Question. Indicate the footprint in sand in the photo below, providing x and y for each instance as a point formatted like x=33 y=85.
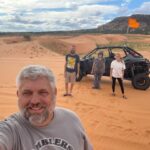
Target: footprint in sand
x=130 y=121
x=114 y=126
x=120 y=111
x=147 y=132
x=112 y=117
x=95 y=124
x=78 y=104
x=131 y=131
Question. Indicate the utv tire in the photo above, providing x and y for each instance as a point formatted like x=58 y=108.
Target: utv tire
x=141 y=81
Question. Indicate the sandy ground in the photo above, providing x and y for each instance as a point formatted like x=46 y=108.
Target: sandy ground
x=112 y=123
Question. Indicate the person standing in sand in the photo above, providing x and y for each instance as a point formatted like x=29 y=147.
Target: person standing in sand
x=40 y=125
x=71 y=70
x=117 y=72
x=98 y=70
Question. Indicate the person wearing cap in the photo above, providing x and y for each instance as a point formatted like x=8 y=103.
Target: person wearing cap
x=40 y=125
x=98 y=70
x=71 y=70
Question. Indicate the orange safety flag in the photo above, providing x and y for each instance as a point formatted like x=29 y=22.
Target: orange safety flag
x=133 y=23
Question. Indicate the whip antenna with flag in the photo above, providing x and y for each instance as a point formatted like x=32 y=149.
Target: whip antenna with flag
x=132 y=23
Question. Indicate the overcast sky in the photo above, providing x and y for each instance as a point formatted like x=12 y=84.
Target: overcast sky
x=56 y=15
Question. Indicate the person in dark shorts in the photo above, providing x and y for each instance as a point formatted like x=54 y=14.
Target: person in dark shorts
x=71 y=70
x=98 y=70
x=117 y=73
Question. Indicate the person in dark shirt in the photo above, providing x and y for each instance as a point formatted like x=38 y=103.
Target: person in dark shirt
x=71 y=70
x=98 y=70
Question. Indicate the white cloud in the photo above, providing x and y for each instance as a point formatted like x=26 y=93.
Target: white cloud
x=126 y=3
x=32 y=4
x=98 y=9
x=43 y=15
x=144 y=9
x=79 y=14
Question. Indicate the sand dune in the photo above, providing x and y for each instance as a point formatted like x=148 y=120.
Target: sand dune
x=87 y=42
x=112 y=123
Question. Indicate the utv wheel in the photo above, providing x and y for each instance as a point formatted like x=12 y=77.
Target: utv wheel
x=141 y=81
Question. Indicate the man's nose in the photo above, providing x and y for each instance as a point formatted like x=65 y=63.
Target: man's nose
x=35 y=98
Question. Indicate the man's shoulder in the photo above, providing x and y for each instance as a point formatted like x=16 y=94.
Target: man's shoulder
x=72 y=55
x=66 y=112
x=67 y=55
x=68 y=116
x=77 y=55
x=10 y=120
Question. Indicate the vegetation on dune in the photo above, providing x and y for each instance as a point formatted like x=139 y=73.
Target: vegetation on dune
x=56 y=46
x=27 y=37
x=133 y=41
x=135 y=45
x=136 y=42
x=61 y=46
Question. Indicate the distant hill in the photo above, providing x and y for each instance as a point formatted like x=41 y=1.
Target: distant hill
x=120 y=25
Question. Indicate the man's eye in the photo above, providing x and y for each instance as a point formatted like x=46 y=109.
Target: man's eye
x=26 y=93
x=43 y=93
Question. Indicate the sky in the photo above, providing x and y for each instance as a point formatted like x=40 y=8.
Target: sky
x=64 y=15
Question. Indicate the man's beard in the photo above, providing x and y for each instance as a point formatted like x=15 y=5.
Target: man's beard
x=38 y=119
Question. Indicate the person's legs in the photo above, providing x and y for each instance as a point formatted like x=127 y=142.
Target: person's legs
x=121 y=86
x=113 y=85
x=96 y=81
x=72 y=81
x=66 y=87
x=67 y=80
x=71 y=88
x=100 y=77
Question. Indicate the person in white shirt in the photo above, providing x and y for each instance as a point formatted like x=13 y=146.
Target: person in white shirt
x=117 y=72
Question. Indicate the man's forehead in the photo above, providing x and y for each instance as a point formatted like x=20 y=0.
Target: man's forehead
x=38 y=83
x=33 y=80
x=29 y=89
